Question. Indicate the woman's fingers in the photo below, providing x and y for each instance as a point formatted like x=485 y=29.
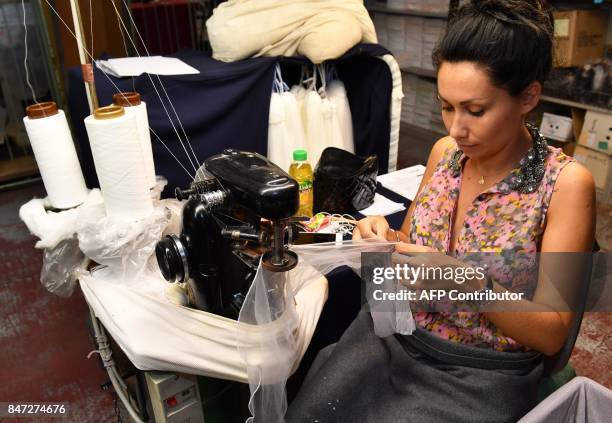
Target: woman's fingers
x=405 y=248
x=371 y=227
x=365 y=229
x=382 y=227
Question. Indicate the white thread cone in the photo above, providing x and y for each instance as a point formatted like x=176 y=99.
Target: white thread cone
x=142 y=120
x=57 y=160
x=120 y=166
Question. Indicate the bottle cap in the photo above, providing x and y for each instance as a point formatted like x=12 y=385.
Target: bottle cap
x=300 y=155
x=41 y=110
x=126 y=99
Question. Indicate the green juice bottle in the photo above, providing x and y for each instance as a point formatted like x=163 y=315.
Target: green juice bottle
x=301 y=171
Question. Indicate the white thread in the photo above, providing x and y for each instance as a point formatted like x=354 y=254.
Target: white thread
x=25 y=58
x=142 y=121
x=160 y=82
x=116 y=88
x=125 y=49
x=57 y=160
x=120 y=166
x=156 y=91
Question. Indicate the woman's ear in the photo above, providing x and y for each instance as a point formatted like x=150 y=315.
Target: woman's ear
x=530 y=97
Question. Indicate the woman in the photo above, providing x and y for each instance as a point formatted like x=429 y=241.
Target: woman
x=492 y=185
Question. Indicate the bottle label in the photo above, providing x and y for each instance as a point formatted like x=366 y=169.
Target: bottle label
x=305 y=193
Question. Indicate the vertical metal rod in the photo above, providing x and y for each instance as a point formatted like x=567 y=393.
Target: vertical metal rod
x=279 y=248
x=90 y=89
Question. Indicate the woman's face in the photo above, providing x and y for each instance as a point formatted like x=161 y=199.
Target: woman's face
x=482 y=118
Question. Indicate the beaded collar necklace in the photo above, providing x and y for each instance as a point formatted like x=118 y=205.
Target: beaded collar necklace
x=526 y=178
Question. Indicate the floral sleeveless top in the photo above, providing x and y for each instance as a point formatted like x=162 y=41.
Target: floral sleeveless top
x=501 y=220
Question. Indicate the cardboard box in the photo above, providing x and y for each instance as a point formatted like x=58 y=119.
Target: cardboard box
x=600 y=165
x=597 y=131
x=580 y=36
x=556 y=127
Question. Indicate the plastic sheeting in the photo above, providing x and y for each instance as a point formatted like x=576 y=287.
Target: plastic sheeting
x=267 y=300
x=126 y=246
x=62 y=266
x=263 y=347
x=158 y=335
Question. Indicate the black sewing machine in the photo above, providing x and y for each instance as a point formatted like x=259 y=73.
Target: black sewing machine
x=238 y=211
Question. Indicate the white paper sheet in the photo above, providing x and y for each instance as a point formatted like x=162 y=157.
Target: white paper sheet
x=135 y=66
x=382 y=206
x=404 y=182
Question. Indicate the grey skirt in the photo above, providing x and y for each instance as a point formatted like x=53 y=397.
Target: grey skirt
x=416 y=378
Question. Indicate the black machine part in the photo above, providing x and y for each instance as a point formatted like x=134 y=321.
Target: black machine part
x=255 y=183
x=223 y=235
x=171 y=257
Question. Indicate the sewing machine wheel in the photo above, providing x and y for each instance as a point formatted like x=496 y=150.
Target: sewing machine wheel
x=290 y=260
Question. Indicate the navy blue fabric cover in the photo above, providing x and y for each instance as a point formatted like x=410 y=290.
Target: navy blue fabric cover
x=227 y=106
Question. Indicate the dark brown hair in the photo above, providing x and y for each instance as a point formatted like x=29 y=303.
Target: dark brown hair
x=511 y=39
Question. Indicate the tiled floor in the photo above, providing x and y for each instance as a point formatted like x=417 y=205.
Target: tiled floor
x=43 y=338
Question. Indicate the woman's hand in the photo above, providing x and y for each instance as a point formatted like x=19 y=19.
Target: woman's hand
x=434 y=269
x=371 y=227
x=411 y=249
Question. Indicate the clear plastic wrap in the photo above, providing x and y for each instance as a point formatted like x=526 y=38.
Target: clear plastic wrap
x=122 y=245
x=62 y=265
x=160 y=184
x=270 y=301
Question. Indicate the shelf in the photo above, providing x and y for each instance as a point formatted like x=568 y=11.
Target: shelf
x=574 y=104
x=427 y=73
x=381 y=8
x=21 y=167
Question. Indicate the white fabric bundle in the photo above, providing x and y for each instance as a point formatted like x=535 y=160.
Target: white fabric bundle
x=295 y=127
x=336 y=93
x=49 y=226
x=276 y=131
x=144 y=136
x=264 y=347
x=242 y=28
x=117 y=154
x=307 y=118
x=137 y=315
x=285 y=128
x=57 y=160
x=314 y=126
